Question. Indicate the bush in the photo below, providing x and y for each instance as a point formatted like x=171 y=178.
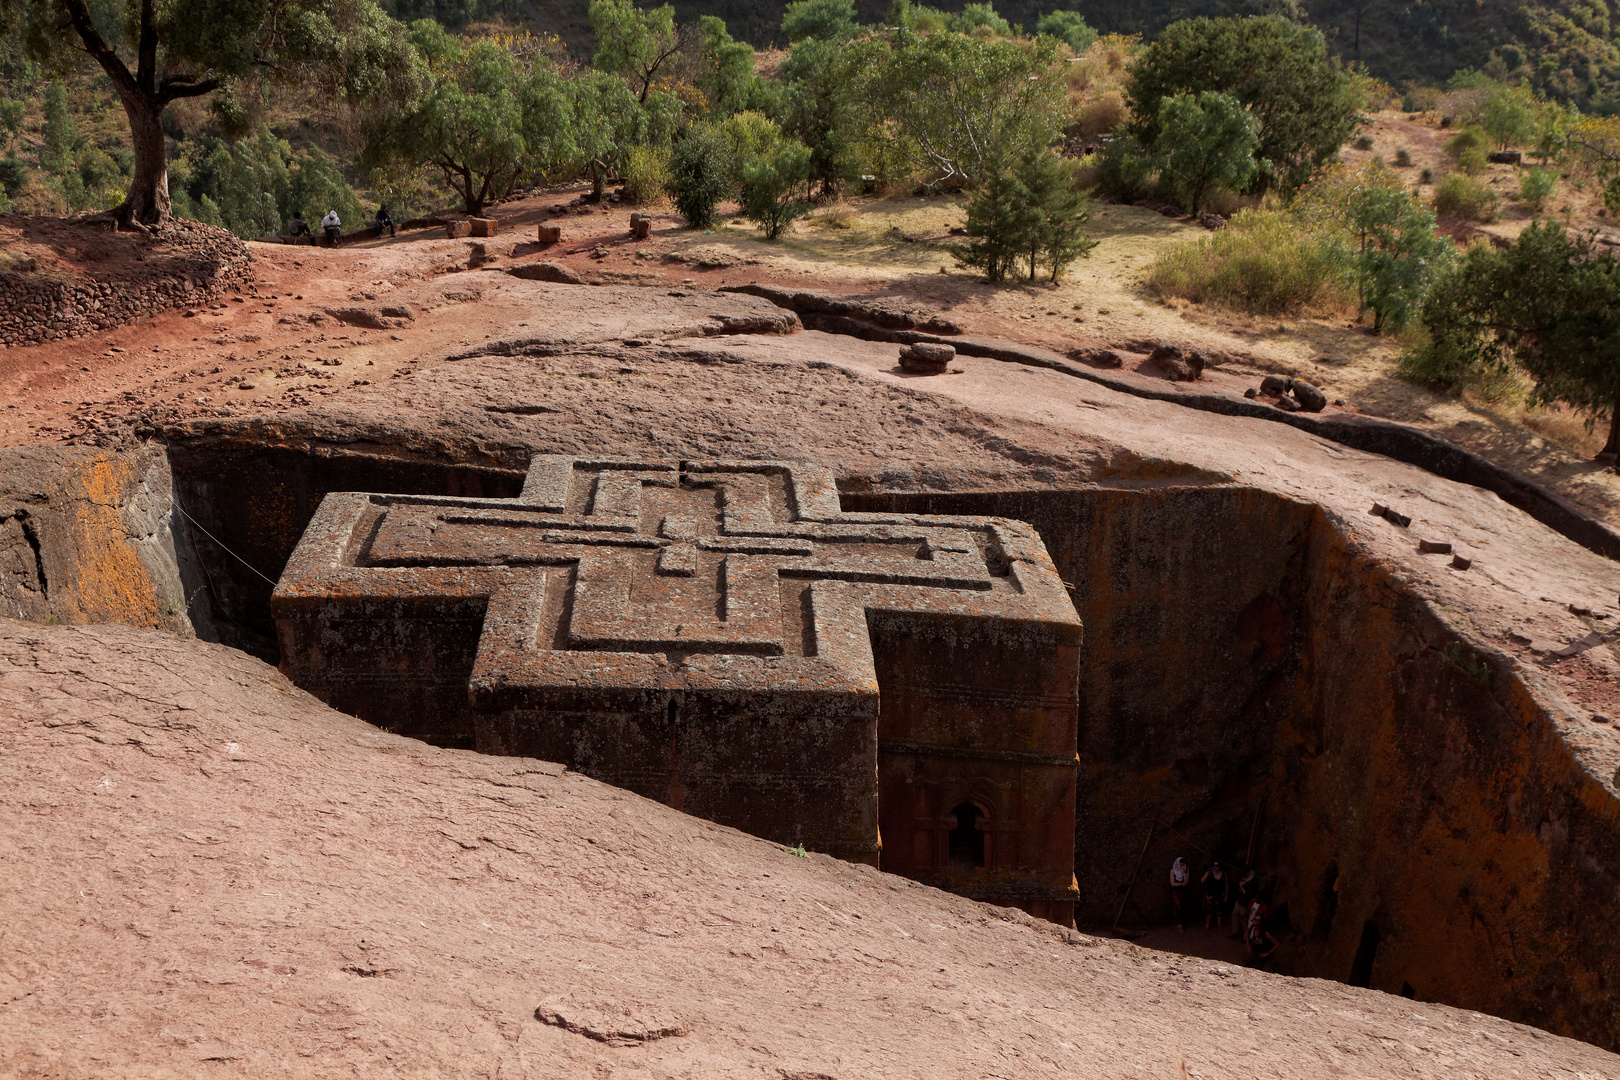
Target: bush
x=1031 y=210
x=1469 y=138
x=1537 y=186
x=1472 y=161
x=1263 y=263
x=646 y=174
x=1069 y=26
x=700 y=176
x=1462 y=197
x=771 y=183
x=1364 y=142
x=1426 y=176
x=1403 y=157
x=1101 y=115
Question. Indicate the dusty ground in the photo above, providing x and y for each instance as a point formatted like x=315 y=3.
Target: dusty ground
x=168 y=909
x=882 y=247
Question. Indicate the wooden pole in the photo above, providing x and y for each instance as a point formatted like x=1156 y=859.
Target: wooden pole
x=1137 y=869
x=1254 y=831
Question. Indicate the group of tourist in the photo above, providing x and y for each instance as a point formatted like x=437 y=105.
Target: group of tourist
x=332 y=225
x=1228 y=899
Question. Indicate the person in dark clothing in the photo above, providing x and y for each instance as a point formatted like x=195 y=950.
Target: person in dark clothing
x=1217 y=895
x=385 y=220
x=1261 y=942
x=299 y=227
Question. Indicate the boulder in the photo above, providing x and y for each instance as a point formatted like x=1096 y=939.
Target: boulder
x=1175 y=363
x=1287 y=404
x=456 y=229
x=924 y=358
x=550 y=234
x=640 y=226
x=1276 y=384
x=1212 y=221
x=1504 y=157
x=1309 y=397
x=484 y=226
x=552 y=272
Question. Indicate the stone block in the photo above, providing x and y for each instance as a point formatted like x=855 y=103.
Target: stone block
x=924 y=358
x=484 y=226
x=722 y=637
x=457 y=229
x=550 y=234
x=640 y=226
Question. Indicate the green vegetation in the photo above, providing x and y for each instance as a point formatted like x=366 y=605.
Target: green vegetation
x=1537 y=186
x=700 y=175
x=1280 y=71
x=1205 y=142
x=1460 y=196
x=1029 y=209
x=1354 y=239
x=1548 y=305
x=156 y=55
x=1262 y=262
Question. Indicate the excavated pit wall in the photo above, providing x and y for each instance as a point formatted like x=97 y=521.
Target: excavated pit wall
x=1249 y=676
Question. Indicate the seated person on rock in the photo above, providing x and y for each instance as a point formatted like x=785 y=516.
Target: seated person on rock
x=298 y=228
x=385 y=220
x=332 y=225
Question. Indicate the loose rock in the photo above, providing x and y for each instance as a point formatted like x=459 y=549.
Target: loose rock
x=924 y=358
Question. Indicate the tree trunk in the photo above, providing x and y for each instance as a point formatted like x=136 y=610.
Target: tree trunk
x=148 y=200
x=1613 y=445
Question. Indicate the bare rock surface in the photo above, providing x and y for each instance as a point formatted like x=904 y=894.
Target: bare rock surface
x=208 y=873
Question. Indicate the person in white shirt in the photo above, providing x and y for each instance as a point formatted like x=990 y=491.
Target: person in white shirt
x=1180 y=887
x=333 y=226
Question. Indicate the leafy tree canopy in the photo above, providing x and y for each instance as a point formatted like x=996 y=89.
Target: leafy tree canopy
x=157 y=53
x=826 y=20
x=959 y=105
x=1280 y=71
x=1206 y=142
x=1069 y=27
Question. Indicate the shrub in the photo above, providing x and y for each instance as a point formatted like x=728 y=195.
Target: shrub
x=1263 y=263
x=1364 y=142
x=646 y=174
x=1472 y=161
x=1426 y=176
x=1403 y=157
x=1070 y=26
x=1101 y=115
x=1205 y=143
x=771 y=183
x=1469 y=138
x=700 y=176
x=1029 y=209
x=1537 y=186
x=1462 y=197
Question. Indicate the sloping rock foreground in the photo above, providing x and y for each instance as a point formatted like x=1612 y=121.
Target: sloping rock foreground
x=209 y=873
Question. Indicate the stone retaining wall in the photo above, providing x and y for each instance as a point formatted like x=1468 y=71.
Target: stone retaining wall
x=188 y=264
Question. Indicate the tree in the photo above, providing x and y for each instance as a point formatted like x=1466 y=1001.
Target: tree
x=1280 y=71
x=1067 y=26
x=1508 y=116
x=1000 y=221
x=1397 y=251
x=725 y=69
x=700 y=175
x=980 y=16
x=635 y=43
x=1030 y=209
x=1551 y=303
x=1062 y=211
x=824 y=20
x=961 y=105
x=820 y=110
x=1205 y=142
x=156 y=54
x=490 y=119
x=771 y=183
